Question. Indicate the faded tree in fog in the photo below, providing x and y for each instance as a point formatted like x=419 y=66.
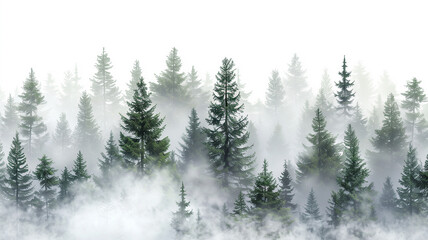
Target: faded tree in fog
x=312 y=212
x=195 y=89
x=71 y=91
x=295 y=82
x=286 y=188
x=45 y=174
x=10 y=119
x=413 y=97
x=275 y=94
x=364 y=88
x=62 y=135
x=388 y=198
x=136 y=74
x=181 y=216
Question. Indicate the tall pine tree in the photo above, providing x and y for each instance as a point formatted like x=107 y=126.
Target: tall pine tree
x=45 y=174
x=286 y=188
x=275 y=94
x=344 y=94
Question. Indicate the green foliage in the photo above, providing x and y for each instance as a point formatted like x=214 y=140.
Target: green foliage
x=344 y=94
x=194 y=88
x=240 y=208
x=264 y=195
x=422 y=182
x=181 y=216
x=87 y=132
x=80 y=173
x=414 y=96
x=110 y=161
x=286 y=189
x=143 y=148
x=388 y=199
x=10 y=119
x=227 y=150
x=275 y=94
x=136 y=74
x=312 y=212
x=62 y=136
x=45 y=174
x=64 y=185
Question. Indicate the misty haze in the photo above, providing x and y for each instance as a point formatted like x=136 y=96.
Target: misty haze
x=213 y=120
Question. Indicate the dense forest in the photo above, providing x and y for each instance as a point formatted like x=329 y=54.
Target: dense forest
x=189 y=157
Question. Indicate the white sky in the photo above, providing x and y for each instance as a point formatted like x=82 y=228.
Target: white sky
x=52 y=36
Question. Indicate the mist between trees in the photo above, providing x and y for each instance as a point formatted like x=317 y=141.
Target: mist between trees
x=189 y=158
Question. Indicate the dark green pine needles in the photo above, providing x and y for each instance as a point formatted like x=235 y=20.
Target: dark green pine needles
x=345 y=94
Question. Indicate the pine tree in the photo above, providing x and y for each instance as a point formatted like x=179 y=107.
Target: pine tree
x=324 y=104
x=410 y=201
x=335 y=208
x=422 y=182
x=327 y=87
x=110 y=159
x=64 y=185
x=136 y=74
x=80 y=173
x=193 y=150
x=228 y=136
x=32 y=126
x=181 y=216
x=286 y=189
x=143 y=147
x=10 y=119
x=295 y=84
x=275 y=93
x=321 y=159
x=240 y=207
x=106 y=95
x=45 y=173
x=364 y=89
x=71 y=91
x=170 y=86
x=312 y=212
x=388 y=199
x=87 y=133
x=414 y=96
x=194 y=87
x=264 y=194
x=344 y=94
x=18 y=185
x=62 y=136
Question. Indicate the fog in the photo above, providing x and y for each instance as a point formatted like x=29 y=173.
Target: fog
x=305 y=42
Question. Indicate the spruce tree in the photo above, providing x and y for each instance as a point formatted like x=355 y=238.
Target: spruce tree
x=80 y=173
x=414 y=96
x=110 y=159
x=240 y=207
x=64 y=185
x=170 y=86
x=409 y=195
x=422 y=182
x=45 y=174
x=181 y=216
x=194 y=87
x=312 y=212
x=295 y=82
x=10 y=119
x=345 y=93
x=264 y=195
x=87 y=133
x=388 y=199
x=322 y=159
x=193 y=150
x=335 y=208
x=286 y=189
x=275 y=93
x=18 y=185
x=136 y=74
x=62 y=136
x=106 y=95
x=143 y=147
x=228 y=136
x=32 y=126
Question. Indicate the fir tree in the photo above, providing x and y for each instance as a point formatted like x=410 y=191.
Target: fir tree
x=170 y=86
x=275 y=93
x=193 y=150
x=295 y=84
x=80 y=173
x=181 y=216
x=344 y=94
x=136 y=74
x=228 y=136
x=87 y=133
x=312 y=212
x=422 y=182
x=106 y=95
x=264 y=194
x=45 y=173
x=62 y=136
x=321 y=159
x=10 y=119
x=286 y=189
x=388 y=199
x=110 y=159
x=194 y=87
x=18 y=185
x=414 y=96
x=64 y=185
x=409 y=195
x=143 y=147
x=240 y=207
x=32 y=126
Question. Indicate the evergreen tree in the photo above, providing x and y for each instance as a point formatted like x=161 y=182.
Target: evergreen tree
x=275 y=93
x=18 y=185
x=335 y=208
x=388 y=199
x=410 y=201
x=363 y=86
x=87 y=133
x=170 y=86
x=422 y=182
x=71 y=91
x=264 y=194
x=106 y=95
x=321 y=159
x=193 y=149
x=240 y=207
x=50 y=90
x=359 y=123
x=110 y=159
x=10 y=119
x=414 y=96
x=181 y=216
x=286 y=189
x=32 y=126
x=143 y=147
x=227 y=138
x=324 y=104
x=327 y=87
x=295 y=84
x=80 y=173
x=136 y=74
x=64 y=185
x=312 y=212
x=245 y=95
x=62 y=136
x=45 y=173
x=344 y=94
x=194 y=87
